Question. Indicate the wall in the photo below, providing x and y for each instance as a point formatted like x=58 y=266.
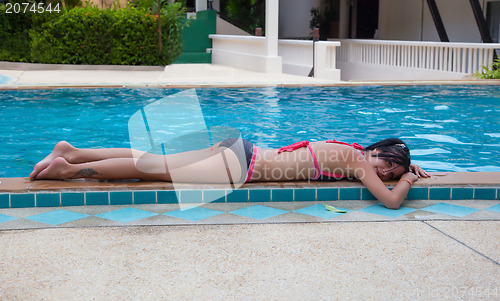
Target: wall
x=411 y=20
x=294 y=18
x=400 y=19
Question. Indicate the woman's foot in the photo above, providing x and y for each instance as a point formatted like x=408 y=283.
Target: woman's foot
x=62 y=149
x=58 y=169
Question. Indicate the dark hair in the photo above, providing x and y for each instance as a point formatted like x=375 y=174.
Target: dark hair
x=393 y=150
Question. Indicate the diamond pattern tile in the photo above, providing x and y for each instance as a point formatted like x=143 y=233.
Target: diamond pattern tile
x=57 y=217
x=5 y=218
x=259 y=212
x=448 y=209
x=194 y=214
x=380 y=209
x=495 y=208
x=126 y=215
x=320 y=211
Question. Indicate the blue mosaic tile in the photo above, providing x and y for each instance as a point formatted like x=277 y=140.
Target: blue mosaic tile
x=439 y=193
x=319 y=210
x=282 y=195
x=22 y=200
x=350 y=194
x=96 y=198
x=495 y=208
x=238 y=196
x=304 y=195
x=194 y=214
x=259 y=195
x=72 y=199
x=214 y=196
x=448 y=209
x=5 y=218
x=327 y=194
x=191 y=196
x=484 y=193
x=462 y=193
x=57 y=217
x=120 y=198
x=48 y=200
x=259 y=212
x=366 y=195
x=4 y=200
x=144 y=197
x=380 y=209
x=167 y=197
x=418 y=193
x=126 y=215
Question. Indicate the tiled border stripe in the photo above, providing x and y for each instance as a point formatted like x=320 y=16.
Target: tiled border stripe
x=135 y=197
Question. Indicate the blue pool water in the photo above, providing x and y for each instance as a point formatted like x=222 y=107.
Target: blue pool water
x=448 y=128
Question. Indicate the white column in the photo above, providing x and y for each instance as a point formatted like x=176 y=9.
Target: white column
x=272 y=21
x=274 y=63
x=201 y=5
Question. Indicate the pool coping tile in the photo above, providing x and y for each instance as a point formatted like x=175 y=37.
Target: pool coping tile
x=440 y=193
x=259 y=195
x=22 y=200
x=481 y=193
x=214 y=196
x=144 y=197
x=47 y=199
x=4 y=200
x=72 y=199
x=350 y=194
x=282 y=195
x=327 y=194
x=97 y=198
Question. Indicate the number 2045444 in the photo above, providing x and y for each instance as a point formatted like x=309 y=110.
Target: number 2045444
x=22 y=8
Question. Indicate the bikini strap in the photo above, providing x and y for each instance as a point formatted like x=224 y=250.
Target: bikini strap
x=294 y=146
x=354 y=145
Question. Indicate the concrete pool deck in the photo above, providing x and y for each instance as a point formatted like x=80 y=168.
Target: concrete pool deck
x=28 y=76
x=421 y=255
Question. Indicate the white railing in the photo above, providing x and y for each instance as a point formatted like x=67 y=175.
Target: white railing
x=243 y=52
x=464 y=58
x=294 y=56
x=297 y=56
x=325 y=60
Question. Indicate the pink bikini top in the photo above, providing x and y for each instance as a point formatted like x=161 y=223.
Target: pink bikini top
x=318 y=173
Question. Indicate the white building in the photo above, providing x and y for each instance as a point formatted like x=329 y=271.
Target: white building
x=380 y=39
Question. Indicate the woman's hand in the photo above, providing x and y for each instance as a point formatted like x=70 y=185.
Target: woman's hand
x=410 y=176
x=417 y=170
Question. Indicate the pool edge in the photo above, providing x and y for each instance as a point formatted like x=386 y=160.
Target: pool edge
x=23 y=193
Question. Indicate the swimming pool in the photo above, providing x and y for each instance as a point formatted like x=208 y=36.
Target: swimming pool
x=448 y=128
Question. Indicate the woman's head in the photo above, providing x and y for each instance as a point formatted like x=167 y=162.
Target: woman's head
x=390 y=158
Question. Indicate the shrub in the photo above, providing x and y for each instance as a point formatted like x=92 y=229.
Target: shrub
x=88 y=35
x=487 y=73
x=14 y=42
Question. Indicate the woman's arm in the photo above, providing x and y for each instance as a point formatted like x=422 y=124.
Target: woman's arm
x=392 y=199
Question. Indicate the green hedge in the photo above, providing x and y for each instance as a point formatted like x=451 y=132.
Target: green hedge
x=14 y=36
x=88 y=35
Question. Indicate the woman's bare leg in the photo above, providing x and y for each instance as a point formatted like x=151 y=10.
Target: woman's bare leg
x=213 y=169
x=110 y=169
x=75 y=155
